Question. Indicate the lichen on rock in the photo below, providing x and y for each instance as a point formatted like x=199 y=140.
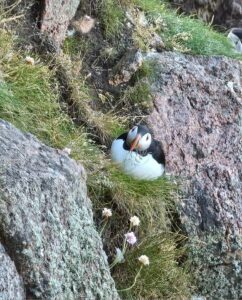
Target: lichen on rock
x=46 y=221
x=11 y=284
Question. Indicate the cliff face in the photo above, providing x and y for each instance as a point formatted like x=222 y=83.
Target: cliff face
x=47 y=225
x=220 y=12
x=197 y=117
x=49 y=246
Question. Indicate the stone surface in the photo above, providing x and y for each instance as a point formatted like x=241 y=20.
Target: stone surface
x=11 y=284
x=221 y=12
x=56 y=17
x=126 y=67
x=197 y=113
x=46 y=221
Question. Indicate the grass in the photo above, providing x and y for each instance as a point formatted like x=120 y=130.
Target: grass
x=29 y=99
x=186 y=33
x=179 y=32
x=111 y=16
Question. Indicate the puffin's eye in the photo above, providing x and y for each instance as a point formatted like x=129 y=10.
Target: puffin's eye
x=133 y=129
x=147 y=138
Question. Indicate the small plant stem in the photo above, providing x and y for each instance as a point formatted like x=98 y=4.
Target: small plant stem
x=123 y=250
x=125 y=242
x=104 y=225
x=134 y=283
x=113 y=264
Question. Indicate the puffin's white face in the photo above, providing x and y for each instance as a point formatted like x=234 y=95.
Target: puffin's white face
x=144 y=142
x=132 y=135
x=138 y=140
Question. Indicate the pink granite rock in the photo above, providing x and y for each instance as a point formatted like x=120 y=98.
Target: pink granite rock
x=56 y=18
x=197 y=104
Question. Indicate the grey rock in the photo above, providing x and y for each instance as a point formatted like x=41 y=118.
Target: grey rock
x=197 y=118
x=126 y=67
x=46 y=221
x=56 y=17
x=156 y=42
x=11 y=284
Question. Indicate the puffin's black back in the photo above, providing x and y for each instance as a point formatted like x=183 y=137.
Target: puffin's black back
x=238 y=32
x=123 y=136
x=157 y=152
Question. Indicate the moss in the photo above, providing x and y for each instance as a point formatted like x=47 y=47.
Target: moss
x=139 y=93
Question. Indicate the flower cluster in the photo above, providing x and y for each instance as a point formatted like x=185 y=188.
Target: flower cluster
x=29 y=60
x=144 y=260
x=107 y=212
x=129 y=240
x=134 y=221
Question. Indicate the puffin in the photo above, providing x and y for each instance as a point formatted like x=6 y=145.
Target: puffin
x=235 y=36
x=138 y=154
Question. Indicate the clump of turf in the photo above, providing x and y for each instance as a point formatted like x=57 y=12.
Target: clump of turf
x=29 y=99
x=111 y=15
x=185 y=33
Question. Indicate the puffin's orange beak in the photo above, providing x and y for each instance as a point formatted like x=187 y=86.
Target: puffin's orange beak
x=135 y=142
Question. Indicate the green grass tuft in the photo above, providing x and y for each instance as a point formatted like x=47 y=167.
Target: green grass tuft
x=29 y=99
x=185 y=33
x=193 y=36
x=111 y=16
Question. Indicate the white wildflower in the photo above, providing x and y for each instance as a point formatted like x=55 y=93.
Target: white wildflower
x=29 y=60
x=107 y=213
x=134 y=221
x=67 y=151
x=144 y=260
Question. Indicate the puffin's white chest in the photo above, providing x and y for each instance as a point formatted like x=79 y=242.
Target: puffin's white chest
x=140 y=167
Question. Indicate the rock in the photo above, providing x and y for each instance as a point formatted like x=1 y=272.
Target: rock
x=83 y=25
x=156 y=42
x=46 y=221
x=11 y=284
x=197 y=118
x=126 y=67
x=56 y=17
x=221 y=12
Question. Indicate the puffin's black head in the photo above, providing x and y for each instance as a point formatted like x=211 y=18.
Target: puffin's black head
x=139 y=138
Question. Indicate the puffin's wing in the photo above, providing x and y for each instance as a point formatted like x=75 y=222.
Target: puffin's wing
x=157 y=152
x=119 y=149
x=123 y=137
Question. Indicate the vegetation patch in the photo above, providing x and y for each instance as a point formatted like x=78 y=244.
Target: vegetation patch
x=163 y=278
x=111 y=16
